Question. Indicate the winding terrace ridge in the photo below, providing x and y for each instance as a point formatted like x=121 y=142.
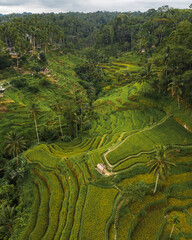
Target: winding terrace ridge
x=118 y=145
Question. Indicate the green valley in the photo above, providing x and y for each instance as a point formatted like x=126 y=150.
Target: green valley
x=96 y=126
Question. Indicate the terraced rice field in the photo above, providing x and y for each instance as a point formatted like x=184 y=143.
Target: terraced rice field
x=119 y=70
x=15 y=102
x=73 y=201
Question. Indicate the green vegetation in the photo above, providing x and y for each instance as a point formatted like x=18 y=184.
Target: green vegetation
x=159 y=164
x=99 y=205
x=93 y=104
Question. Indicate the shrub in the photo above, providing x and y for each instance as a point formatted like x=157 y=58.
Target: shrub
x=33 y=89
x=42 y=57
x=37 y=69
x=135 y=192
x=4 y=62
x=49 y=134
x=45 y=83
x=19 y=83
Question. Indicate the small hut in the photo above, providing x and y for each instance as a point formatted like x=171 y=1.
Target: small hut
x=14 y=55
x=142 y=50
x=101 y=168
x=2 y=90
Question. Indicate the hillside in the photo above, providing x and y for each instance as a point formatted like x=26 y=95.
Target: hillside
x=71 y=196
x=96 y=127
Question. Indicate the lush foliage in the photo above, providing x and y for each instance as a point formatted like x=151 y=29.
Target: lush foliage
x=82 y=89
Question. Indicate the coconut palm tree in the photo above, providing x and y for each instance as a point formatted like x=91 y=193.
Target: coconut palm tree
x=159 y=164
x=175 y=221
x=76 y=120
x=147 y=72
x=175 y=89
x=57 y=107
x=7 y=215
x=34 y=113
x=14 y=144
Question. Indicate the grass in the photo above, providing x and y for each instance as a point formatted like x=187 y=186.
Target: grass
x=121 y=112
x=74 y=191
x=78 y=213
x=132 y=161
x=33 y=218
x=63 y=213
x=133 y=145
x=14 y=110
x=75 y=170
x=72 y=200
x=123 y=225
x=99 y=205
x=169 y=132
x=148 y=227
x=42 y=155
x=183 y=226
x=118 y=69
x=55 y=203
x=42 y=221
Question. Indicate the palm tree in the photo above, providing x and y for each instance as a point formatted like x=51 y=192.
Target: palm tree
x=159 y=164
x=175 y=221
x=175 y=89
x=7 y=215
x=165 y=59
x=147 y=74
x=14 y=144
x=76 y=120
x=57 y=107
x=34 y=113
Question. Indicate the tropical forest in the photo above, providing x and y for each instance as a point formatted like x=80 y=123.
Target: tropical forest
x=96 y=125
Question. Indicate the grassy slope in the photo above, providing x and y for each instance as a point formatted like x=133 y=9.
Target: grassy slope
x=15 y=103
x=87 y=205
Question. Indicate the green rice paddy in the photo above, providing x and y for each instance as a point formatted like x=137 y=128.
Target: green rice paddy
x=72 y=200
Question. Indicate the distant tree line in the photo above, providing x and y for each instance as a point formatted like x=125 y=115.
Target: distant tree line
x=163 y=37
x=65 y=30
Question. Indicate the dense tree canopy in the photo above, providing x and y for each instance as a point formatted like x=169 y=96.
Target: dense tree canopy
x=54 y=66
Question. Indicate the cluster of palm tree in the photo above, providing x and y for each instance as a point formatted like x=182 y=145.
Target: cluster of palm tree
x=34 y=113
x=14 y=145
x=7 y=216
x=175 y=88
x=160 y=164
x=57 y=107
x=174 y=220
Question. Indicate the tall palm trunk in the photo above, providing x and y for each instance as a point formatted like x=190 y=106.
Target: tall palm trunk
x=178 y=102
x=61 y=130
x=45 y=50
x=36 y=129
x=15 y=155
x=76 y=129
x=172 y=230
x=81 y=117
x=172 y=91
x=17 y=160
x=17 y=62
x=157 y=179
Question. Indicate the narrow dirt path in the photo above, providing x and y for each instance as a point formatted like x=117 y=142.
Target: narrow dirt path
x=118 y=145
x=116 y=218
x=132 y=156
